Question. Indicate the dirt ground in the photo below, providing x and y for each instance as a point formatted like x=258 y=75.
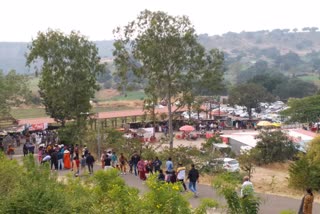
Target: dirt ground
x=121 y=104
x=107 y=93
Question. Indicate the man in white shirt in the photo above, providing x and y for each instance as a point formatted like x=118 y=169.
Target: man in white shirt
x=181 y=174
x=247 y=187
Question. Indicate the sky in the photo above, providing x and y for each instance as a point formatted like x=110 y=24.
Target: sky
x=20 y=20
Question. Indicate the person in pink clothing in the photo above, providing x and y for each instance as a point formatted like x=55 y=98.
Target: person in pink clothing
x=40 y=152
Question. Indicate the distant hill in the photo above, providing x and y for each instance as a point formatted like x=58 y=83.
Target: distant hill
x=12 y=54
x=291 y=52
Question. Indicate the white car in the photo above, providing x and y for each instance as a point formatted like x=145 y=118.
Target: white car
x=228 y=164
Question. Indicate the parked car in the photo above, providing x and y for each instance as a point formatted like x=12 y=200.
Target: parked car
x=228 y=164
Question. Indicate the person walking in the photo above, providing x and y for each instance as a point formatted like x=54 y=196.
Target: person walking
x=83 y=163
x=90 y=160
x=60 y=159
x=25 y=150
x=306 y=203
x=161 y=176
x=135 y=159
x=76 y=166
x=114 y=160
x=54 y=160
x=246 y=188
x=181 y=174
x=66 y=159
x=169 y=165
x=173 y=177
x=102 y=158
x=157 y=164
x=10 y=151
x=193 y=177
x=107 y=162
x=123 y=161
x=142 y=169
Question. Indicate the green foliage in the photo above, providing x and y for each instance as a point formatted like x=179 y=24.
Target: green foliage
x=305 y=172
x=226 y=185
x=71 y=133
x=303 y=110
x=182 y=154
x=30 y=188
x=112 y=195
x=295 y=88
x=112 y=138
x=70 y=65
x=249 y=95
x=273 y=146
x=287 y=212
x=246 y=161
x=33 y=190
x=165 y=197
x=14 y=91
x=205 y=204
x=269 y=80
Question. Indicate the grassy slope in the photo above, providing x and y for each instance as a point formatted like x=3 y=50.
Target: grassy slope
x=311 y=78
x=40 y=112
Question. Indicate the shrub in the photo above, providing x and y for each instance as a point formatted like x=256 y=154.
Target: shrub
x=305 y=172
x=273 y=146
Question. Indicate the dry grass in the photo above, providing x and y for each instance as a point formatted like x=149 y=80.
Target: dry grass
x=137 y=104
x=270 y=179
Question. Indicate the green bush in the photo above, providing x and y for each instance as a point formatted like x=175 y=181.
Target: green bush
x=273 y=146
x=304 y=174
x=226 y=185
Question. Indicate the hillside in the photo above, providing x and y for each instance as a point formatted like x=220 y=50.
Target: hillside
x=291 y=52
x=12 y=55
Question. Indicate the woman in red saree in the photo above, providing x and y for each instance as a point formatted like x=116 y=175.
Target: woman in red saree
x=66 y=159
x=142 y=169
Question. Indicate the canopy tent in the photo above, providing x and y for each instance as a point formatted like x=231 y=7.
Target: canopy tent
x=276 y=124
x=186 y=128
x=264 y=123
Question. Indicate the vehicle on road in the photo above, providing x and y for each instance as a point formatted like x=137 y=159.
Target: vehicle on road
x=227 y=164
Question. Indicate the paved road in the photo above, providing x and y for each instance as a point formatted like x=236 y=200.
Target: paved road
x=271 y=204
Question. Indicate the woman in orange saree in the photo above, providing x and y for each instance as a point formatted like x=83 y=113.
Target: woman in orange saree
x=66 y=159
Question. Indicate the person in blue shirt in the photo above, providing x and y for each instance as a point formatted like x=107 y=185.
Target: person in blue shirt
x=169 y=165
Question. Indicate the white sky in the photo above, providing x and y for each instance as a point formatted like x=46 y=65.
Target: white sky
x=20 y=20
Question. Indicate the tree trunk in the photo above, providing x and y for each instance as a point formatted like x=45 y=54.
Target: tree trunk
x=249 y=113
x=170 y=119
x=189 y=113
x=154 y=119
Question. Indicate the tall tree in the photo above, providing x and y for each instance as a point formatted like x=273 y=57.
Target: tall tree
x=162 y=49
x=70 y=66
x=249 y=95
x=13 y=91
x=295 y=87
x=303 y=110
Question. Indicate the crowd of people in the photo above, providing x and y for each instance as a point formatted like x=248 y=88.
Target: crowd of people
x=143 y=168
x=63 y=157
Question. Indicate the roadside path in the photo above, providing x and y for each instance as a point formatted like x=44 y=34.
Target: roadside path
x=271 y=204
